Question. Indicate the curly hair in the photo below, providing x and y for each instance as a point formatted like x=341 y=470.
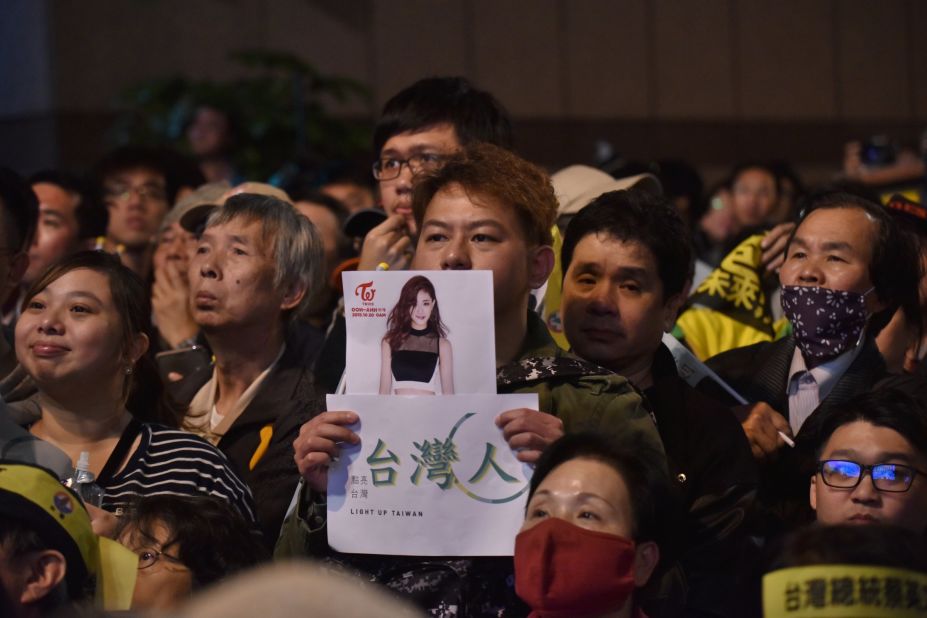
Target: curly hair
x=488 y=170
x=399 y=322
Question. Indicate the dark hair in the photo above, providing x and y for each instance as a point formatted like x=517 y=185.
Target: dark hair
x=475 y=114
x=641 y=467
x=635 y=215
x=214 y=539
x=876 y=545
x=92 y=218
x=21 y=210
x=177 y=170
x=487 y=170
x=19 y=539
x=344 y=172
x=895 y=268
x=143 y=388
x=399 y=322
x=884 y=407
x=305 y=192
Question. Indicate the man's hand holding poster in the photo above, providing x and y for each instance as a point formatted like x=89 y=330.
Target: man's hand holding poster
x=432 y=476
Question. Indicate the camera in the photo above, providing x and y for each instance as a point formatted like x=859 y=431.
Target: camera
x=878 y=151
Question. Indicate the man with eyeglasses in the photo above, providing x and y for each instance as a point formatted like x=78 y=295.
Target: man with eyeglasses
x=418 y=129
x=872 y=463
x=138 y=187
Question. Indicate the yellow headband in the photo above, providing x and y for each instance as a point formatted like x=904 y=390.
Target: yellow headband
x=844 y=591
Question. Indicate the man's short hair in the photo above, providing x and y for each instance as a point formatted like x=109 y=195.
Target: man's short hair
x=490 y=171
x=177 y=170
x=20 y=212
x=888 y=407
x=92 y=218
x=895 y=268
x=291 y=238
x=475 y=114
x=633 y=215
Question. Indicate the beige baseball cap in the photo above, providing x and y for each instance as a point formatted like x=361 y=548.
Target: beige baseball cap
x=194 y=218
x=209 y=194
x=577 y=185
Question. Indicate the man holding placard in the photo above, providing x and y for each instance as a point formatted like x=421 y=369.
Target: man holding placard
x=485 y=209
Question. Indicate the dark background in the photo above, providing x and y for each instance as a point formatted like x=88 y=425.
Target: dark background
x=712 y=81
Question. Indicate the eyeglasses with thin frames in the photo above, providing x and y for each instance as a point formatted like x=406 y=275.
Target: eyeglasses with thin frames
x=148 y=557
x=119 y=193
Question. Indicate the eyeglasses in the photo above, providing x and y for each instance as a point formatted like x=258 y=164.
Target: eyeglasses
x=148 y=557
x=885 y=477
x=388 y=169
x=120 y=193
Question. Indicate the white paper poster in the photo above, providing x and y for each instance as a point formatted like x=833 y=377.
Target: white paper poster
x=433 y=476
x=419 y=333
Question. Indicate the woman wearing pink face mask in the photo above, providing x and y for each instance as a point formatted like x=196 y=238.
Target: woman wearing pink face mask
x=591 y=531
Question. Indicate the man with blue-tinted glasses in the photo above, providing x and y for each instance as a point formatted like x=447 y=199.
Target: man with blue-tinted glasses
x=872 y=463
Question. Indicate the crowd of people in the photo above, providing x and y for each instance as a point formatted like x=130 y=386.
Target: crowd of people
x=177 y=338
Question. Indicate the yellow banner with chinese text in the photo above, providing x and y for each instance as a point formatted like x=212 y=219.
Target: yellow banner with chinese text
x=844 y=591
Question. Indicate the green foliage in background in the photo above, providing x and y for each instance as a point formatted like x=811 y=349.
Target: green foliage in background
x=278 y=111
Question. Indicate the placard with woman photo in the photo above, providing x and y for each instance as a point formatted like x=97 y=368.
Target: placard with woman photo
x=419 y=333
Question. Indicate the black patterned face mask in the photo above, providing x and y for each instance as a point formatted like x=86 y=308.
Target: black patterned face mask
x=825 y=323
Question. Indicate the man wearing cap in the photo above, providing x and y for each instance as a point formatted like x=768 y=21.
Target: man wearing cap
x=49 y=555
x=170 y=293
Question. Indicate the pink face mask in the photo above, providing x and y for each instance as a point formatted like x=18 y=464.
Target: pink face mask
x=564 y=570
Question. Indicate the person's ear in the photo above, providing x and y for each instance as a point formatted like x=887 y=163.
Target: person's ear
x=671 y=310
x=646 y=558
x=874 y=303
x=540 y=265
x=138 y=348
x=47 y=569
x=813 y=497
x=294 y=296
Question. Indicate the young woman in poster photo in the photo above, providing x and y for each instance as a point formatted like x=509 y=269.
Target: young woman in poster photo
x=415 y=354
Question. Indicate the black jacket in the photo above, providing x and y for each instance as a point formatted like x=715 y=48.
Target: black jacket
x=287 y=399
x=760 y=372
x=715 y=474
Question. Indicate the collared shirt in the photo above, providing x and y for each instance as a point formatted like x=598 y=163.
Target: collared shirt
x=807 y=388
x=205 y=420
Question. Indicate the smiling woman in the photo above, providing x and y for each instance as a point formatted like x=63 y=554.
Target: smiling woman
x=81 y=337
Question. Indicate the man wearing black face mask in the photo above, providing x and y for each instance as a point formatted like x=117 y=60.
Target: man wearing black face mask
x=847 y=269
